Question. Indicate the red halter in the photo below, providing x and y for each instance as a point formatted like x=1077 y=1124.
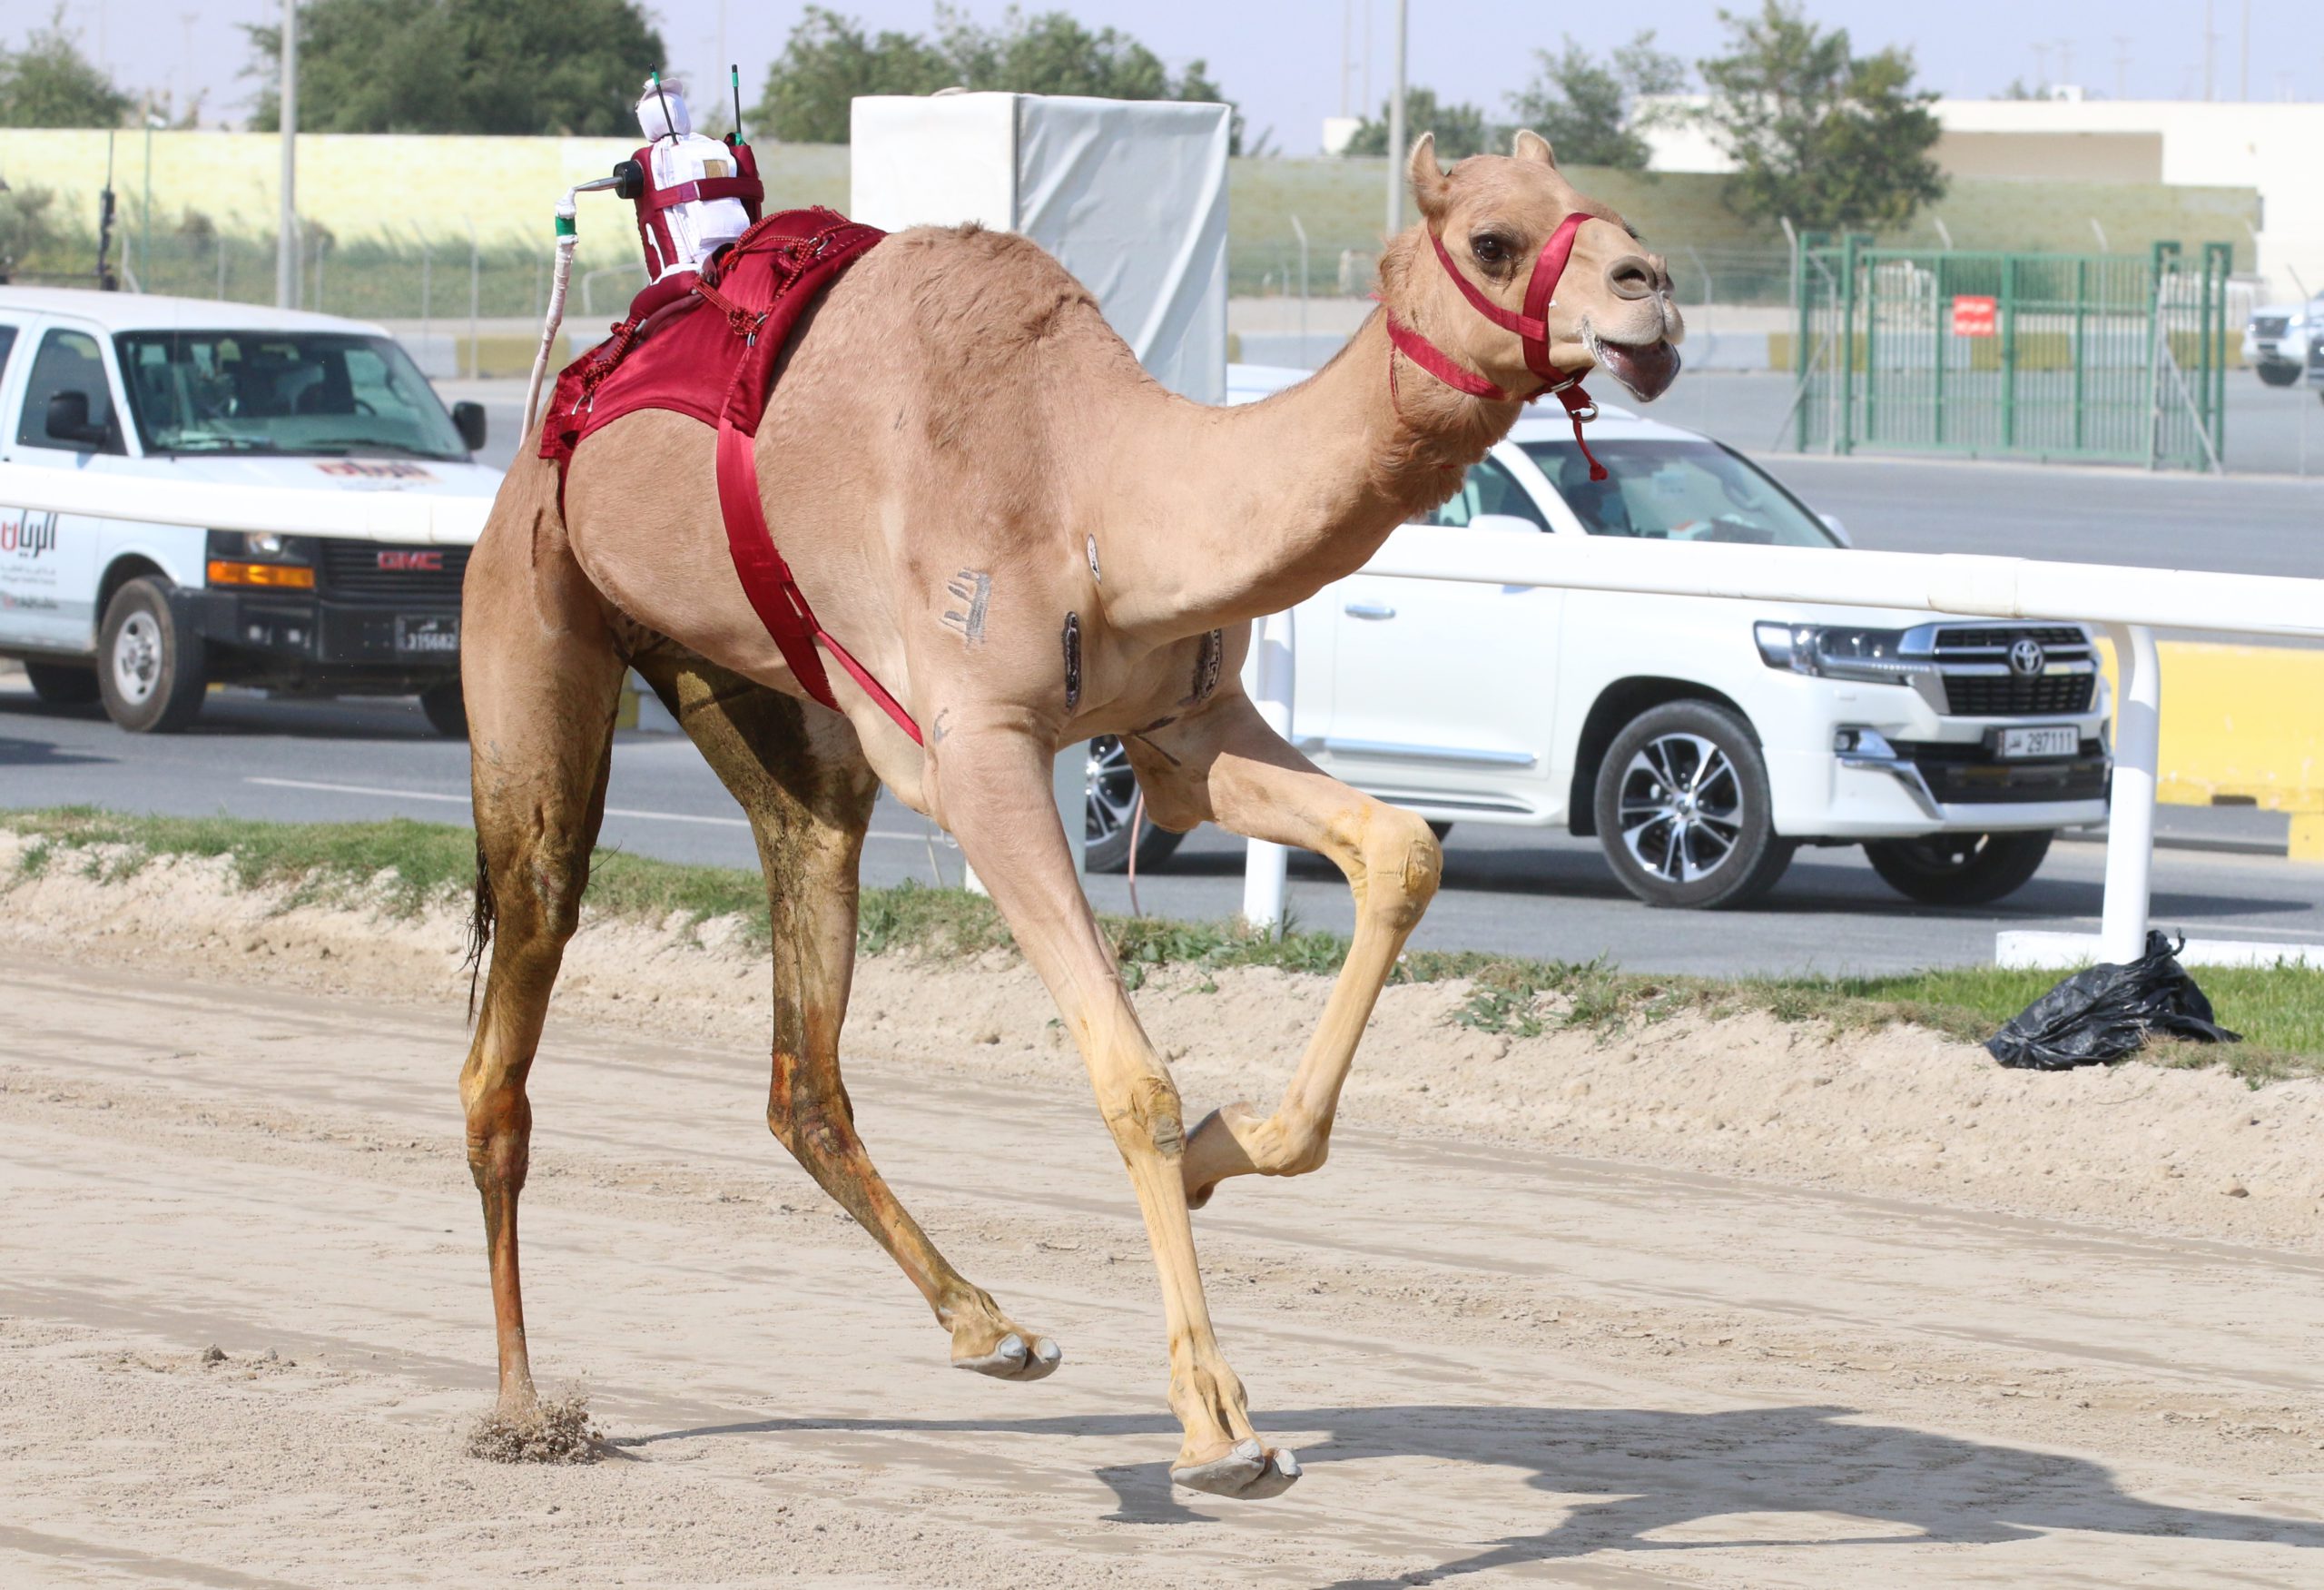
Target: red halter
x=1532 y=328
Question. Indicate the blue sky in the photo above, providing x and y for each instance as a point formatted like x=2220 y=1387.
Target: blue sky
x=1281 y=58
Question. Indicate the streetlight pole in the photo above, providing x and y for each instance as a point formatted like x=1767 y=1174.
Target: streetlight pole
x=1396 y=132
x=286 y=243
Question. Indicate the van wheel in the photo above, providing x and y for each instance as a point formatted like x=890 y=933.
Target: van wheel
x=1683 y=809
x=2279 y=375
x=1958 y=869
x=151 y=674
x=63 y=684
x=447 y=709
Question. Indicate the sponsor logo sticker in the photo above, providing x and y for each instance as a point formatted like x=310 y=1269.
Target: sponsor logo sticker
x=374 y=469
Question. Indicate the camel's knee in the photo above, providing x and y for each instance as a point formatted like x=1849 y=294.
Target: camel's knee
x=1145 y=1115
x=1401 y=866
x=810 y=1116
x=499 y=1133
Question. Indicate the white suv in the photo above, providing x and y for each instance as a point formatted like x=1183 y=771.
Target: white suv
x=1701 y=739
x=2280 y=340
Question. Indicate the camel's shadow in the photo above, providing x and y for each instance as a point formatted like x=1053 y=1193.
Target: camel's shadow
x=1660 y=1471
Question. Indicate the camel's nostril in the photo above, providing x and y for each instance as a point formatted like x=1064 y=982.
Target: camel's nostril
x=1631 y=276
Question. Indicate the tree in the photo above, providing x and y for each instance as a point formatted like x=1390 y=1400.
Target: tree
x=1461 y=130
x=50 y=84
x=1589 y=109
x=491 y=66
x=1828 y=138
x=828 y=59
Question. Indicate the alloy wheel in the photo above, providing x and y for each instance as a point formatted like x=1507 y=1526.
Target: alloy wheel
x=1681 y=807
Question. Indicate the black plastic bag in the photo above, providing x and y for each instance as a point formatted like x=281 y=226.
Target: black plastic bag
x=2105 y=1013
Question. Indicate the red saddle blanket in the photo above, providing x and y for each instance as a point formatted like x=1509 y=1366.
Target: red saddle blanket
x=706 y=347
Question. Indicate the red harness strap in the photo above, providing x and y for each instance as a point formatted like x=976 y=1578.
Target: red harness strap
x=800 y=270
x=1532 y=328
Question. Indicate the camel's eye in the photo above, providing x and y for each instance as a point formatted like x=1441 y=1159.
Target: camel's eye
x=1488 y=247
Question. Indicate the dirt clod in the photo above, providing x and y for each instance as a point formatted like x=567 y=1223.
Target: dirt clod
x=559 y=1431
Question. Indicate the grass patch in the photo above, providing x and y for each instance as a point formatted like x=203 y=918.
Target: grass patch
x=403 y=865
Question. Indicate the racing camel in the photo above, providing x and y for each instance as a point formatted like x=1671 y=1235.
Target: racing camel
x=1029 y=542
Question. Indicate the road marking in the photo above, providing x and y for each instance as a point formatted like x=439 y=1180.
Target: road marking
x=461 y=800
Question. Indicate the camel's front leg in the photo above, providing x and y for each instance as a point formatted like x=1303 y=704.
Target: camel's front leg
x=1232 y=769
x=994 y=787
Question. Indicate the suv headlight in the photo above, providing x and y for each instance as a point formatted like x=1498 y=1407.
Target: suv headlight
x=1835 y=651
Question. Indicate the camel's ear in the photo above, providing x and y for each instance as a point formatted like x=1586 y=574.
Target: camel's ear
x=1530 y=145
x=1428 y=182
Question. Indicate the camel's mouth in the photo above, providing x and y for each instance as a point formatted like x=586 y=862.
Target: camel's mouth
x=1647 y=369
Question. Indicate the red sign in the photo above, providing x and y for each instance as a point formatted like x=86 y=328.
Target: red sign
x=427 y=562
x=1976 y=316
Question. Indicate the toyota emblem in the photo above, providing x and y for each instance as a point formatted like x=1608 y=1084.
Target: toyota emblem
x=2027 y=658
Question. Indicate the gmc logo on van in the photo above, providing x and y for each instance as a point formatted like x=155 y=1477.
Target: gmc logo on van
x=417 y=562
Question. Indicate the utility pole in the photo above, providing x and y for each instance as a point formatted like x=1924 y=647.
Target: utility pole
x=2243 y=83
x=2210 y=51
x=286 y=243
x=1396 y=129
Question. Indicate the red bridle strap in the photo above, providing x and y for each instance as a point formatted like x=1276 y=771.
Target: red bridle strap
x=1531 y=326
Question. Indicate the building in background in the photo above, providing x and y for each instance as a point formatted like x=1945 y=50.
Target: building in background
x=2272 y=148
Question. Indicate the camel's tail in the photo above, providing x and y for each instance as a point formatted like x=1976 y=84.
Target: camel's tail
x=480 y=918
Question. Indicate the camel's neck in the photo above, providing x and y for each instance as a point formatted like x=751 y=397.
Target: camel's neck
x=1219 y=515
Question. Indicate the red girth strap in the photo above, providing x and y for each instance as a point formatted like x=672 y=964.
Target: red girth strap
x=1532 y=328
x=774 y=595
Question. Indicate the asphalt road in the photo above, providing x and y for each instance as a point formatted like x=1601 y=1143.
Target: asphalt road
x=2242 y=524
x=1507 y=890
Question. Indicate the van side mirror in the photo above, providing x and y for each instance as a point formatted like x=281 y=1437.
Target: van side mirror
x=468 y=418
x=68 y=420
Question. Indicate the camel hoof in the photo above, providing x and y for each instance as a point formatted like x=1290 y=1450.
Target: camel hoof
x=1250 y=1473
x=1011 y=1360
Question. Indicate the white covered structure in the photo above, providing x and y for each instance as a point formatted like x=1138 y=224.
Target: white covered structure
x=1130 y=195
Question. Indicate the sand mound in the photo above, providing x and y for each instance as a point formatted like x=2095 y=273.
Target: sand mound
x=1901 y=1112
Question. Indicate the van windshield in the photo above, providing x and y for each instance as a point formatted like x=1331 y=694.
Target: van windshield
x=1676 y=491
x=316 y=394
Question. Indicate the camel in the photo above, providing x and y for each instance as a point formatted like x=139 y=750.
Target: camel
x=1029 y=542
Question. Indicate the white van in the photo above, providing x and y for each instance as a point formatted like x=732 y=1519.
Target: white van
x=144 y=618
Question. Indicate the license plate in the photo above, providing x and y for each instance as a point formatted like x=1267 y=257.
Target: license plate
x=2042 y=740
x=437 y=635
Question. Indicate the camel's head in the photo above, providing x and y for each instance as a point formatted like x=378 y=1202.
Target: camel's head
x=1611 y=304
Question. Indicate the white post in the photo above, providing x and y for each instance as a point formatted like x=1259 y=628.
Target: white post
x=286 y=243
x=2130 y=823
x=1265 y=865
x=1397 y=131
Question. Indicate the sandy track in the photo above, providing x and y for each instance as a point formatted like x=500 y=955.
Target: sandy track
x=1499 y=1365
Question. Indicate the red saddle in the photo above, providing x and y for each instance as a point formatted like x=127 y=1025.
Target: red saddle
x=705 y=346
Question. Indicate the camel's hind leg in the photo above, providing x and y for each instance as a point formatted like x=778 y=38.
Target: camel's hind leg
x=800 y=775
x=542 y=680
x=1226 y=765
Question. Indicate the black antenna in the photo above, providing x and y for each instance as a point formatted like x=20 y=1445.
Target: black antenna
x=734 y=75
x=106 y=282
x=668 y=120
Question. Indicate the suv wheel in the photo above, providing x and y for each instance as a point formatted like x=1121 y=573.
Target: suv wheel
x=1113 y=796
x=2278 y=375
x=1683 y=809
x=151 y=673
x=63 y=684
x=1958 y=869
x=447 y=709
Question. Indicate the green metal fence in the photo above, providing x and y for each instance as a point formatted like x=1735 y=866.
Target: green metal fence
x=2100 y=357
